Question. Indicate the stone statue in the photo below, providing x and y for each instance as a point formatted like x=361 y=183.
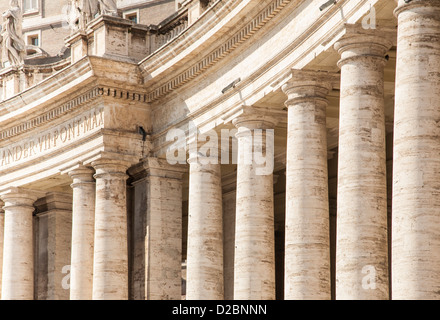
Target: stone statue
x=13 y=44
x=73 y=15
x=81 y=12
x=108 y=7
x=89 y=9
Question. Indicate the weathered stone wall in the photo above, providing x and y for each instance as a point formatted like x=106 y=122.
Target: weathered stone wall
x=156 y=11
x=53 y=230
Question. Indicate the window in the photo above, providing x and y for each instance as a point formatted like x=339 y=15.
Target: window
x=33 y=38
x=34 y=41
x=132 y=15
x=30 y=5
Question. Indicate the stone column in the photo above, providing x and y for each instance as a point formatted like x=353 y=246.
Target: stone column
x=254 y=274
x=205 y=231
x=2 y=229
x=18 y=258
x=416 y=181
x=362 y=247
x=157 y=231
x=83 y=224
x=110 y=265
x=307 y=239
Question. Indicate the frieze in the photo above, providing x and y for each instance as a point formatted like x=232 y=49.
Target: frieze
x=69 y=106
x=221 y=51
x=52 y=139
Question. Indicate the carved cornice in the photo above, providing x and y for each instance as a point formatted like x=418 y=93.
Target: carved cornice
x=71 y=105
x=48 y=116
x=259 y=21
x=122 y=94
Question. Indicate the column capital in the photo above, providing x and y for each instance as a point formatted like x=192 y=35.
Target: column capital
x=20 y=197
x=78 y=170
x=194 y=146
x=196 y=157
x=359 y=43
x=257 y=118
x=111 y=167
x=308 y=85
x=80 y=175
x=429 y=4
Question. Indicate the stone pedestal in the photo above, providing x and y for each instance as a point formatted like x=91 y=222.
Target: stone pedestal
x=157 y=245
x=53 y=229
x=111 y=37
x=205 y=231
x=416 y=181
x=13 y=81
x=254 y=272
x=307 y=239
x=110 y=266
x=362 y=250
x=18 y=257
x=83 y=224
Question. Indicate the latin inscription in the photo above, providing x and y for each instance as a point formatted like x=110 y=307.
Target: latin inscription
x=52 y=139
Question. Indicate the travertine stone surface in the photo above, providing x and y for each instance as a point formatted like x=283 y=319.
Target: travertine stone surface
x=416 y=181
x=83 y=224
x=18 y=258
x=254 y=272
x=362 y=252
x=307 y=239
x=2 y=229
x=158 y=229
x=110 y=266
x=53 y=224
x=205 y=231
x=229 y=208
x=118 y=89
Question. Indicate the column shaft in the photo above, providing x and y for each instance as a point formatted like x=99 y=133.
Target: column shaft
x=254 y=274
x=307 y=244
x=416 y=178
x=18 y=257
x=110 y=267
x=362 y=247
x=205 y=233
x=83 y=224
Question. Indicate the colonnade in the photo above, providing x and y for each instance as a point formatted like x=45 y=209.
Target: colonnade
x=99 y=259
x=362 y=270
x=99 y=267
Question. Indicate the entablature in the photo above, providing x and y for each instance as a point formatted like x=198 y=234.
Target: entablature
x=291 y=34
